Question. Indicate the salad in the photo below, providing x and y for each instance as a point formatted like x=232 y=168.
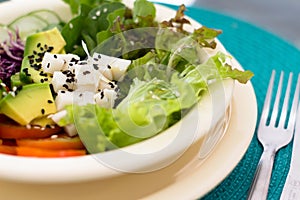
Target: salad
x=108 y=78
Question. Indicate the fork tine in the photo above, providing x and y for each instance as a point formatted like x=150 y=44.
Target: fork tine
x=284 y=112
x=286 y=102
x=266 y=108
x=295 y=104
x=277 y=100
x=266 y=134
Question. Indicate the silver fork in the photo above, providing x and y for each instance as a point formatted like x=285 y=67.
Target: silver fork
x=273 y=136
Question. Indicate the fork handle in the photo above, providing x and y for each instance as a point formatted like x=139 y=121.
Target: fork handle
x=261 y=181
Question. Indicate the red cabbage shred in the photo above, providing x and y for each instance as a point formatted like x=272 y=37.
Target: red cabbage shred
x=11 y=55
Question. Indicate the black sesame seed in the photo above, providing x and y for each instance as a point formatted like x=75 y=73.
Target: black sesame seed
x=74 y=60
x=38 y=45
x=62 y=91
x=48 y=65
x=55 y=56
x=37 y=66
x=43 y=74
x=86 y=72
x=19 y=88
x=50 y=101
x=51 y=88
x=43 y=111
x=41 y=54
x=48 y=126
x=30 y=56
x=99 y=56
x=108 y=66
x=66 y=86
x=69 y=81
x=102 y=94
x=83 y=63
x=111 y=85
x=95 y=66
x=38 y=60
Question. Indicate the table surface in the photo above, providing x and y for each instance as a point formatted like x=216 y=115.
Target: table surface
x=277 y=16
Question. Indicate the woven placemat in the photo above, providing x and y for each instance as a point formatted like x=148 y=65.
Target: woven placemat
x=259 y=51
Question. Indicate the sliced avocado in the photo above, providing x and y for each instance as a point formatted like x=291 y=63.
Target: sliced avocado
x=15 y=80
x=43 y=122
x=31 y=102
x=35 y=48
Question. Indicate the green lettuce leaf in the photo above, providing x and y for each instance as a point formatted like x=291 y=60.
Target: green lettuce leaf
x=97 y=21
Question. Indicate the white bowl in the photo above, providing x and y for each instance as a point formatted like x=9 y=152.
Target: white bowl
x=207 y=121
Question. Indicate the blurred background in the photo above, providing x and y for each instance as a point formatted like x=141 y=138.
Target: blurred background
x=281 y=17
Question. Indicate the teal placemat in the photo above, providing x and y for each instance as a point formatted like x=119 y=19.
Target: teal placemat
x=260 y=52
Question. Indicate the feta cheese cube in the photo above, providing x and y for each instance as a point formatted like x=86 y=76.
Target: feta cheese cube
x=86 y=78
x=106 y=98
x=83 y=97
x=63 y=99
x=62 y=81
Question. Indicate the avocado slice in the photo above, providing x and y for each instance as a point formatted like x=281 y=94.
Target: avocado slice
x=15 y=80
x=31 y=102
x=35 y=48
x=43 y=122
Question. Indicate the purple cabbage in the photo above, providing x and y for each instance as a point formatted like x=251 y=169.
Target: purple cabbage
x=11 y=55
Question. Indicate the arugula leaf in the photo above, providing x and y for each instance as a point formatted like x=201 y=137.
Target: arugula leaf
x=96 y=24
x=75 y=4
x=102 y=17
x=114 y=19
x=72 y=31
